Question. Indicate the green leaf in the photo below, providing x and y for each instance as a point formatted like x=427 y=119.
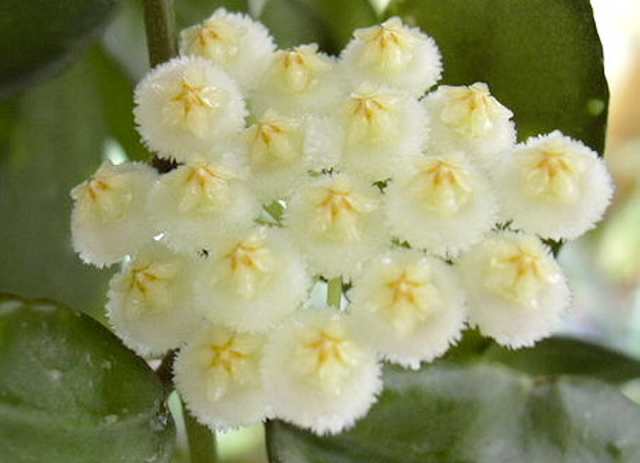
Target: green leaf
x=54 y=137
x=70 y=392
x=330 y=23
x=567 y=356
x=479 y=414
x=38 y=37
x=541 y=58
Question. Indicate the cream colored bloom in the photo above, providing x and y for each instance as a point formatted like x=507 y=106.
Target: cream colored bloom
x=444 y=207
x=253 y=281
x=393 y=54
x=337 y=223
x=202 y=202
x=109 y=220
x=186 y=106
x=218 y=375
x=151 y=300
x=408 y=307
x=516 y=291
x=299 y=81
x=553 y=186
x=234 y=42
x=317 y=375
x=282 y=150
x=384 y=131
x=470 y=119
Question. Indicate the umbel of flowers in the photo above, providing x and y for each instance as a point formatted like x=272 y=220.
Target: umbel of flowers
x=418 y=196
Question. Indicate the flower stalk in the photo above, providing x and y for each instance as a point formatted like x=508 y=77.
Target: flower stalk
x=159 y=20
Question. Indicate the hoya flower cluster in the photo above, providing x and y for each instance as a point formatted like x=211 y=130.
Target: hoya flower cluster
x=420 y=198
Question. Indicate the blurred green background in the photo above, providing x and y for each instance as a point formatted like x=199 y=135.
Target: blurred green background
x=76 y=118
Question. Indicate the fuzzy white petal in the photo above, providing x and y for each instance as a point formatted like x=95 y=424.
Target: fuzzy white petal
x=253 y=282
x=108 y=219
x=299 y=81
x=317 y=375
x=469 y=119
x=337 y=223
x=445 y=207
x=151 y=302
x=393 y=54
x=202 y=202
x=218 y=375
x=408 y=307
x=186 y=106
x=517 y=293
x=234 y=42
x=553 y=186
x=384 y=131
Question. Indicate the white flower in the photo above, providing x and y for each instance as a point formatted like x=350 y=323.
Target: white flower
x=202 y=202
x=408 y=307
x=337 y=222
x=233 y=41
x=384 y=131
x=445 y=206
x=299 y=81
x=218 y=375
x=316 y=375
x=282 y=150
x=187 y=105
x=253 y=282
x=471 y=120
x=553 y=186
x=393 y=54
x=516 y=291
x=151 y=300
x=108 y=220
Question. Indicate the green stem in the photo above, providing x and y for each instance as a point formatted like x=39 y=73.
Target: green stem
x=202 y=441
x=334 y=292
x=159 y=20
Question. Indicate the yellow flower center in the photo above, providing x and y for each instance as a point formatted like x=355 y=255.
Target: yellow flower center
x=229 y=360
x=517 y=274
x=109 y=196
x=192 y=97
x=150 y=286
x=370 y=117
x=405 y=290
x=301 y=67
x=274 y=141
x=444 y=186
x=205 y=188
x=327 y=349
x=471 y=111
x=409 y=298
x=388 y=46
x=249 y=262
x=227 y=357
x=554 y=175
x=338 y=213
x=217 y=40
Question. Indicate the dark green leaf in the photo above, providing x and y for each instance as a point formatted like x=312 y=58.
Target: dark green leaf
x=566 y=356
x=542 y=58
x=55 y=137
x=70 y=392
x=452 y=414
x=330 y=23
x=37 y=37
